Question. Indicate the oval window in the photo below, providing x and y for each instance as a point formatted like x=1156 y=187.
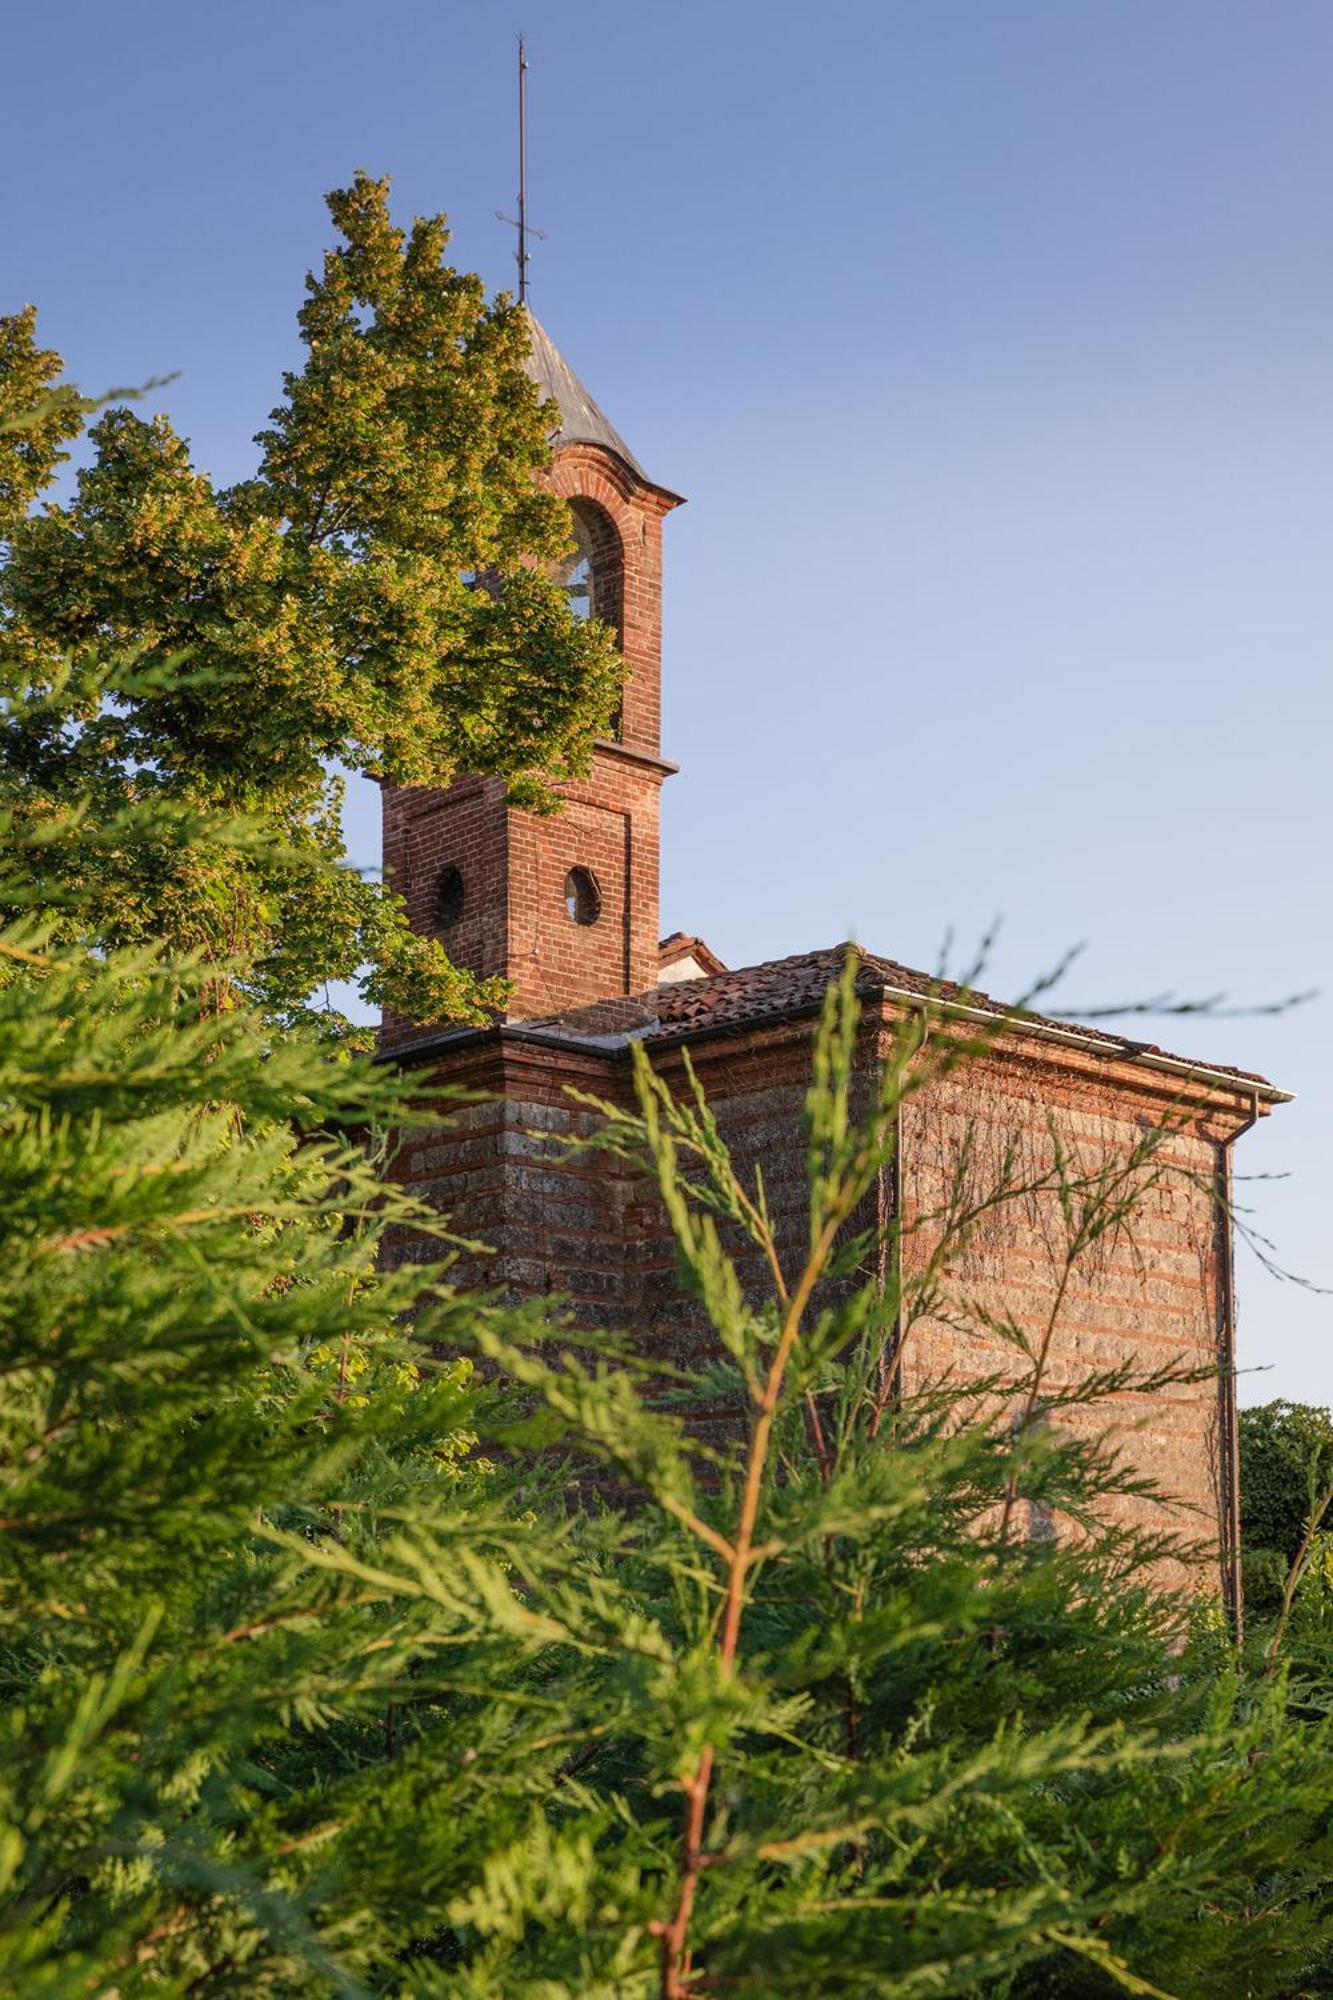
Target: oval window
x=449 y=898
x=583 y=898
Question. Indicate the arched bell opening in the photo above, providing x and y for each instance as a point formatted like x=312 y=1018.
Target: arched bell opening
x=593 y=574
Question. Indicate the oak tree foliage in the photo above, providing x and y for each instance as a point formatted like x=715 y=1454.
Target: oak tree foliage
x=1286 y=1459
x=1286 y=1509
x=378 y=597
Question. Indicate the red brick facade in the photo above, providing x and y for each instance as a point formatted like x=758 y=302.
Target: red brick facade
x=1155 y=1293
x=586 y=1228
x=510 y=870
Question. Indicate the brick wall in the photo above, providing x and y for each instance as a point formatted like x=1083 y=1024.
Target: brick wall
x=514 y=865
x=1145 y=1294
x=497 y=1169
x=610 y=827
x=426 y=830
x=626 y=515
x=589 y=1230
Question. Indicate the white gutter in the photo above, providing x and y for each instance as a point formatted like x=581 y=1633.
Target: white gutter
x=1047 y=1031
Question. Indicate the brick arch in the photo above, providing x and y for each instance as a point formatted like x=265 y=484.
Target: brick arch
x=605 y=489
x=515 y=866
x=587 y=470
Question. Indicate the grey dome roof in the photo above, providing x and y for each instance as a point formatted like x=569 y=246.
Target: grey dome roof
x=581 y=420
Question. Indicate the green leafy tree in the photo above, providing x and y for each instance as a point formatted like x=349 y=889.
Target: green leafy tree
x=31 y=450
x=1286 y=1460
x=1287 y=1527
x=378 y=596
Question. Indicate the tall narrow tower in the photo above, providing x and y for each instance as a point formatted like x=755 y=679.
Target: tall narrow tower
x=564 y=907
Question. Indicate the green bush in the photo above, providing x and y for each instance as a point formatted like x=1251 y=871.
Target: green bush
x=1286 y=1461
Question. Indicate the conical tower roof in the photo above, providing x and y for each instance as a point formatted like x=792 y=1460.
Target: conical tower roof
x=582 y=421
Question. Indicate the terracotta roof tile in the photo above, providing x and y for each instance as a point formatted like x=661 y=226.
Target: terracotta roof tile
x=681 y=945
x=784 y=987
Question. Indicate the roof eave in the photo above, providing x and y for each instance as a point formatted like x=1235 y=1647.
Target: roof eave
x=554 y=1036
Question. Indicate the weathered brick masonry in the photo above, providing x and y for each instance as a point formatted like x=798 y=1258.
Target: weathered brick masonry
x=512 y=868
x=1157 y=1292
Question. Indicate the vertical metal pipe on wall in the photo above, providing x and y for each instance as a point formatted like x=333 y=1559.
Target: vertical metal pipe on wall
x=1227 y=1411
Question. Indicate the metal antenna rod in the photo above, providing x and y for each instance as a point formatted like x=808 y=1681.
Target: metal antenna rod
x=522 y=172
x=521 y=222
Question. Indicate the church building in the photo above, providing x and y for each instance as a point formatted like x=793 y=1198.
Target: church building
x=566 y=909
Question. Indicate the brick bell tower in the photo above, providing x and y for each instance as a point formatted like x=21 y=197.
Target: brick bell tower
x=564 y=907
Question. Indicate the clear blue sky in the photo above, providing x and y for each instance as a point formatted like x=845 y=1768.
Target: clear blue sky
x=993 y=344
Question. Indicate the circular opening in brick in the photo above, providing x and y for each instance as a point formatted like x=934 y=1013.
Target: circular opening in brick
x=449 y=898
x=583 y=898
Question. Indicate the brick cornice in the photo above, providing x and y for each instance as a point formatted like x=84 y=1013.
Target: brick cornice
x=1220 y=1106
x=609 y=746
x=569 y=460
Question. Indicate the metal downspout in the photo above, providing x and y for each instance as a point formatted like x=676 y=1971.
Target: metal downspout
x=891 y=1192
x=1228 y=1415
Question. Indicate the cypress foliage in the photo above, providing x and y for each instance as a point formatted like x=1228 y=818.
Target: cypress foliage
x=880 y=1736
x=200 y=1371
x=331 y=1666
x=306 y=1695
